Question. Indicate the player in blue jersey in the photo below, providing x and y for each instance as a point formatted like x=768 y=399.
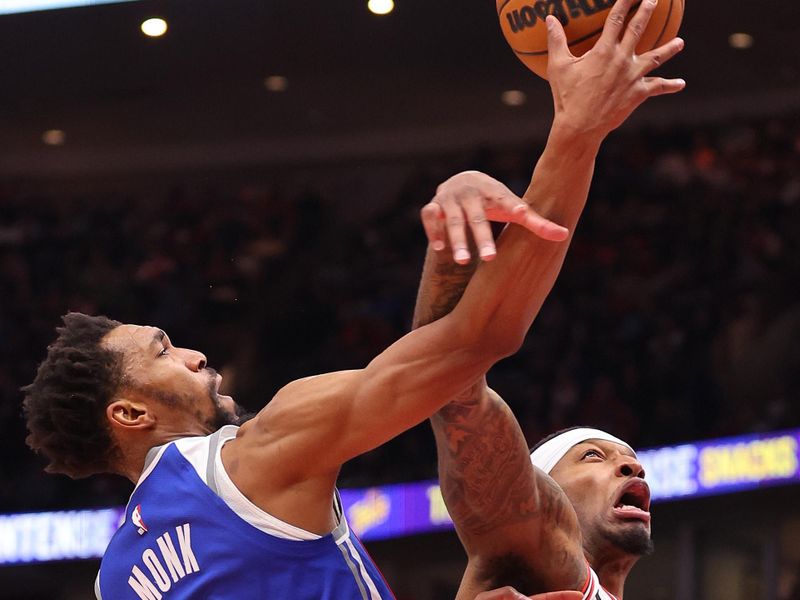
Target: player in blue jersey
x=224 y=508
x=580 y=518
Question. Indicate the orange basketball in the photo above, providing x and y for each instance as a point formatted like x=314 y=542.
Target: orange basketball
x=522 y=22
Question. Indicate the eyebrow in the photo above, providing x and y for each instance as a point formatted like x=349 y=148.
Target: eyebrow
x=158 y=337
x=601 y=443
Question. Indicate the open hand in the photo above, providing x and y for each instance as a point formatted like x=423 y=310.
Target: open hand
x=472 y=199
x=596 y=92
x=509 y=593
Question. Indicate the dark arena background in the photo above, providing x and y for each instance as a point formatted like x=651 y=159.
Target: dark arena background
x=251 y=182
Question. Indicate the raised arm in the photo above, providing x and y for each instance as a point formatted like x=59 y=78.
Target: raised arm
x=517 y=526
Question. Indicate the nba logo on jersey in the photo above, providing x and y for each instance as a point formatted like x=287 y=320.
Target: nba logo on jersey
x=136 y=517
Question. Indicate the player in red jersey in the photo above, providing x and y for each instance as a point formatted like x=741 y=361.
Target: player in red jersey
x=584 y=518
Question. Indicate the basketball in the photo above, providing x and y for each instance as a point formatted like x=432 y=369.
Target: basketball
x=523 y=25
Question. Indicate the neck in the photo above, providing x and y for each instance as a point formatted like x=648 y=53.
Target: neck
x=135 y=452
x=132 y=465
x=612 y=571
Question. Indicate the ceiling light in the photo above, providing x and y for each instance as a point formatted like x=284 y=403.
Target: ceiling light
x=380 y=7
x=54 y=137
x=514 y=98
x=154 y=27
x=276 y=83
x=740 y=41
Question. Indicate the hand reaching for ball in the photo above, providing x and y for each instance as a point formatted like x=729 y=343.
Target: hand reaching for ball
x=594 y=93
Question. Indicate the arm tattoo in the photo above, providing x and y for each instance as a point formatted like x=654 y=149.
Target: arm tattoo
x=484 y=468
x=485 y=473
x=443 y=283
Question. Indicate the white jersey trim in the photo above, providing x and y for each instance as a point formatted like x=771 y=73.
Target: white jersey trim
x=196 y=451
x=595 y=591
x=151 y=460
x=351 y=550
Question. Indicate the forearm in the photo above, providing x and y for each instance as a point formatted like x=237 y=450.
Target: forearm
x=441 y=286
x=505 y=295
x=482 y=458
x=514 y=522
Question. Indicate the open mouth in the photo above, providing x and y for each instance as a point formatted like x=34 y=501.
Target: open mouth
x=633 y=501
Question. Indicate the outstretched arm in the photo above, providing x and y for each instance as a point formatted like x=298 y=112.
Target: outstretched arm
x=516 y=524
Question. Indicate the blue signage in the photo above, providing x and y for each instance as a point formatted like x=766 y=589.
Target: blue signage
x=721 y=466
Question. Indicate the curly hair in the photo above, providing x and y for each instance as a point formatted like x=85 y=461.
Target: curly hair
x=64 y=407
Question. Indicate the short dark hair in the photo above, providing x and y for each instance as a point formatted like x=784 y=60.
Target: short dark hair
x=64 y=407
x=555 y=434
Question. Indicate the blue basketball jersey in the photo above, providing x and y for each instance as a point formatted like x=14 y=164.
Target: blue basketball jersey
x=181 y=541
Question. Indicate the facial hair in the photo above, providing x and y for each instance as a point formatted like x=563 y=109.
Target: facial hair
x=222 y=417
x=632 y=540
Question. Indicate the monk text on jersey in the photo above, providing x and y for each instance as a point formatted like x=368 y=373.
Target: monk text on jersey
x=166 y=567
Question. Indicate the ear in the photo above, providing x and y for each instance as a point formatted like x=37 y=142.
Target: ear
x=129 y=414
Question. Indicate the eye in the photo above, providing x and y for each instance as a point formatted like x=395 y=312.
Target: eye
x=164 y=352
x=589 y=453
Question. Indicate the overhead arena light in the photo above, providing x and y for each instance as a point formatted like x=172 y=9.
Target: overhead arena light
x=19 y=6
x=54 y=137
x=740 y=41
x=155 y=27
x=513 y=98
x=380 y=7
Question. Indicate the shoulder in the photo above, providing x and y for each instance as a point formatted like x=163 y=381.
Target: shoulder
x=296 y=406
x=279 y=435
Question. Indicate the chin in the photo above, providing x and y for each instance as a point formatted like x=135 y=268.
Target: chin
x=633 y=539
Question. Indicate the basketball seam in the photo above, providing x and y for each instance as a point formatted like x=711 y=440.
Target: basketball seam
x=664 y=28
x=502 y=6
x=573 y=42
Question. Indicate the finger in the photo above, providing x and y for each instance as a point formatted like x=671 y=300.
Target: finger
x=614 y=23
x=506 y=593
x=658 y=86
x=657 y=57
x=557 y=46
x=515 y=210
x=544 y=228
x=479 y=224
x=637 y=25
x=455 y=226
x=432 y=217
x=558 y=596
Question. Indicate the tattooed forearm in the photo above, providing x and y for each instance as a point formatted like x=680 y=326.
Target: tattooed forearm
x=442 y=285
x=515 y=519
x=485 y=473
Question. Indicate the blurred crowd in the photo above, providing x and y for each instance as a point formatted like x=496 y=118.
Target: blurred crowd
x=675 y=317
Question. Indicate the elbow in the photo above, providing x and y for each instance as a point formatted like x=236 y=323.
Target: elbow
x=495 y=342
x=507 y=345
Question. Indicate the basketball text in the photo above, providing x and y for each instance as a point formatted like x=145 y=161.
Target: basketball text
x=530 y=14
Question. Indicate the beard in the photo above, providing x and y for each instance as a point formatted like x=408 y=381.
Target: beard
x=633 y=540
x=222 y=416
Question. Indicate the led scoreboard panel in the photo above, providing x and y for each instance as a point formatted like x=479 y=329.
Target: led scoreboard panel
x=720 y=466
x=20 y=6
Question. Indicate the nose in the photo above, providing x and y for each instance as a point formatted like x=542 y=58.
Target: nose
x=196 y=361
x=630 y=467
